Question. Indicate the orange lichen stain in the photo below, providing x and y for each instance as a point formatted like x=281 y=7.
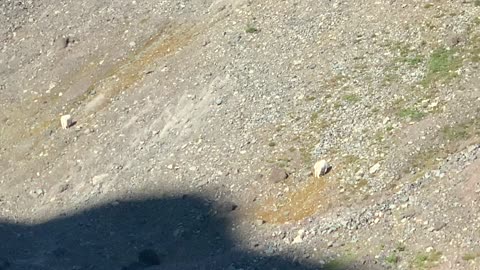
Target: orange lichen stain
x=316 y=195
x=296 y=205
x=36 y=115
x=132 y=70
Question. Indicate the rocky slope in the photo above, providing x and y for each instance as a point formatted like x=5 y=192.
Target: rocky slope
x=198 y=123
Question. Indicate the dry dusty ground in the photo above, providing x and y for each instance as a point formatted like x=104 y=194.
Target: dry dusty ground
x=197 y=125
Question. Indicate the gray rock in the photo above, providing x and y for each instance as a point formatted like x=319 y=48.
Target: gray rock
x=202 y=183
x=297 y=240
x=408 y=213
x=437 y=226
x=66 y=121
x=98 y=179
x=37 y=193
x=277 y=175
x=472 y=148
x=259 y=222
x=227 y=207
x=374 y=169
x=270 y=250
x=63 y=187
x=321 y=168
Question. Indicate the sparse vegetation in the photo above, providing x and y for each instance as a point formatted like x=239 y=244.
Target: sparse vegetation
x=428 y=5
x=476 y=58
x=392 y=258
x=441 y=65
x=413 y=61
x=475 y=49
x=455 y=133
x=461 y=131
x=351 y=98
x=251 y=30
x=442 y=61
x=351 y=159
x=336 y=81
x=389 y=78
x=426 y=159
x=305 y=154
x=379 y=136
x=411 y=113
x=406 y=55
x=476 y=21
x=470 y=256
x=283 y=161
x=233 y=110
x=420 y=259
x=427 y=260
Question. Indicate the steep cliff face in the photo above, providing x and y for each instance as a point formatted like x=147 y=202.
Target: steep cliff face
x=232 y=103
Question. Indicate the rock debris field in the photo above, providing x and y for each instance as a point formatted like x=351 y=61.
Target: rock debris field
x=239 y=134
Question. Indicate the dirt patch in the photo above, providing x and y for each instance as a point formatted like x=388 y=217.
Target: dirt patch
x=470 y=189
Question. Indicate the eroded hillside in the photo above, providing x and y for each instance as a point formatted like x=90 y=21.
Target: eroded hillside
x=198 y=123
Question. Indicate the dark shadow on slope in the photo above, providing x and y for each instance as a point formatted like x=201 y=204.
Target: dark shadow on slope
x=171 y=233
